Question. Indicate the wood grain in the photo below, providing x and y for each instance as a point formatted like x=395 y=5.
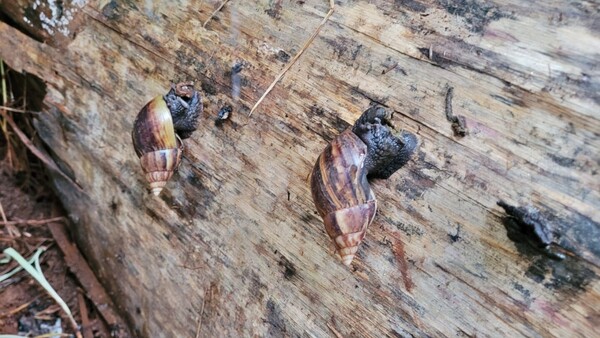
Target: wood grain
x=235 y=239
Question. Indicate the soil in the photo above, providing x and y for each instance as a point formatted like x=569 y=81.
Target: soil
x=35 y=220
x=25 y=307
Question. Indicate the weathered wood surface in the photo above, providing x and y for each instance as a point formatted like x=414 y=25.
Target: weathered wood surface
x=234 y=244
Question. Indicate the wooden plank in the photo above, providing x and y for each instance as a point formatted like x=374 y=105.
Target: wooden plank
x=235 y=231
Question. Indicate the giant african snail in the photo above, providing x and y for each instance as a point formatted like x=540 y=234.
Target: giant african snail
x=158 y=131
x=339 y=184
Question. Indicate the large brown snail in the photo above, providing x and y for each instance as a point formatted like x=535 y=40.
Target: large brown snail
x=339 y=184
x=159 y=129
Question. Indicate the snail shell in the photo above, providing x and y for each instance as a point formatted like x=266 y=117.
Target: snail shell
x=156 y=143
x=342 y=193
x=154 y=132
x=339 y=184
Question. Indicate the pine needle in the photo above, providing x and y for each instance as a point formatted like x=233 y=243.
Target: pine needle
x=289 y=65
x=17 y=110
x=29 y=221
x=49 y=162
x=214 y=13
x=4 y=122
x=12 y=230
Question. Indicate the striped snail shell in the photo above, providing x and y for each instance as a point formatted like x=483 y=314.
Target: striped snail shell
x=339 y=180
x=158 y=131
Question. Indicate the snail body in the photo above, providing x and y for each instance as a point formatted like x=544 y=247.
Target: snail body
x=159 y=130
x=339 y=180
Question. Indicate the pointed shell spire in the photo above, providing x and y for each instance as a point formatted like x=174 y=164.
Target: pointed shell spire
x=159 y=128
x=156 y=143
x=339 y=184
x=342 y=193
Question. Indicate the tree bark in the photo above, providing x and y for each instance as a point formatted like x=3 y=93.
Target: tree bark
x=234 y=246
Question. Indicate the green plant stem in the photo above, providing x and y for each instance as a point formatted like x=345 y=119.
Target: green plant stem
x=36 y=273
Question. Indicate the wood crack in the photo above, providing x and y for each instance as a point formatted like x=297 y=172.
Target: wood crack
x=465 y=66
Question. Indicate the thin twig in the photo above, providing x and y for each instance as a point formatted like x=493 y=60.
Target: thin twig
x=17 y=110
x=4 y=91
x=17 y=309
x=38 y=153
x=459 y=126
x=36 y=238
x=448 y=104
x=2 y=213
x=389 y=69
x=201 y=313
x=47 y=312
x=335 y=332
x=31 y=221
x=86 y=329
x=4 y=122
x=93 y=289
x=12 y=231
x=289 y=65
x=214 y=13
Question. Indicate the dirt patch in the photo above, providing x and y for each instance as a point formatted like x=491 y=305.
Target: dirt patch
x=31 y=220
x=24 y=306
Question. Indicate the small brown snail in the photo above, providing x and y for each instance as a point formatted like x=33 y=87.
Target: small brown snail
x=339 y=184
x=158 y=131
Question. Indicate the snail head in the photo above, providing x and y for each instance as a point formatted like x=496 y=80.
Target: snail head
x=185 y=105
x=387 y=149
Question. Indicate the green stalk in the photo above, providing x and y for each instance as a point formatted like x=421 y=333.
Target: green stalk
x=36 y=273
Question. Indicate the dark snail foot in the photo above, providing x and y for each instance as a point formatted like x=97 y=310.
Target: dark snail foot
x=185 y=134
x=186 y=107
x=386 y=152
